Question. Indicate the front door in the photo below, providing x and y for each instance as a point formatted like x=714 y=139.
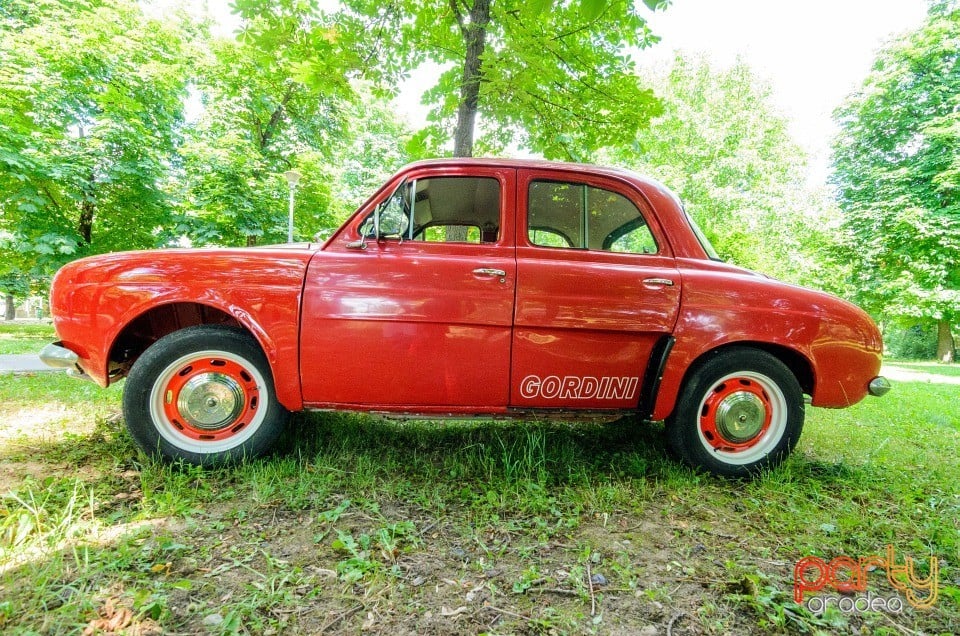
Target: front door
x=421 y=319
x=596 y=288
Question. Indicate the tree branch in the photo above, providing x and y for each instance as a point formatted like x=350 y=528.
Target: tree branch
x=578 y=117
x=53 y=200
x=267 y=133
x=459 y=16
x=378 y=42
x=577 y=76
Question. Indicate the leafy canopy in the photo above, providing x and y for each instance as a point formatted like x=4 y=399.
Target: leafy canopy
x=279 y=97
x=91 y=104
x=897 y=172
x=727 y=152
x=554 y=77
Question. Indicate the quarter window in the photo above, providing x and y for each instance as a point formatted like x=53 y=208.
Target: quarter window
x=575 y=215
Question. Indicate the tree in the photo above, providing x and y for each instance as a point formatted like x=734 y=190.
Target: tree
x=277 y=98
x=897 y=173
x=723 y=148
x=13 y=285
x=91 y=100
x=14 y=281
x=379 y=146
x=554 y=77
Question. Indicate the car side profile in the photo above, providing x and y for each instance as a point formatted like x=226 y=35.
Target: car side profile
x=468 y=288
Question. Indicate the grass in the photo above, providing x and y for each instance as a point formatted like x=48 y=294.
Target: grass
x=24 y=337
x=360 y=524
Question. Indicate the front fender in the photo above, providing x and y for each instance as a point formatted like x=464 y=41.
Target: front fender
x=93 y=300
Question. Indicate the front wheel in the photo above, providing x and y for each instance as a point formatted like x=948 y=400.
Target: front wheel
x=739 y=411
x=203 y=395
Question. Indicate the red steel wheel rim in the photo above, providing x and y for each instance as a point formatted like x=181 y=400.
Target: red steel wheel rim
x=210 y=399
x=736 y=414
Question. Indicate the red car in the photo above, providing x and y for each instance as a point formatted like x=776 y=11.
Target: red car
x=468 y=288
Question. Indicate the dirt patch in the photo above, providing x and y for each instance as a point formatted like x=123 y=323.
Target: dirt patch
x=622 y=576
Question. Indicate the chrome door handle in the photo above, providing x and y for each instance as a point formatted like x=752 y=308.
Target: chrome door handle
x=658 y=281
x=490 y=271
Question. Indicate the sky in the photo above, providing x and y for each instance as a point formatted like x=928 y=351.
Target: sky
x=813 y=53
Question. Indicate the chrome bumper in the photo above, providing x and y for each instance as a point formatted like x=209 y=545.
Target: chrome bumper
x=879 y=386
x=53 y=355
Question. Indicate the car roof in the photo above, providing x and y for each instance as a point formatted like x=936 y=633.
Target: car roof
x=542 y=164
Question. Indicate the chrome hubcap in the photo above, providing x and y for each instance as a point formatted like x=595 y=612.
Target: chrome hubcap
x=210 y=401
x=740 y=416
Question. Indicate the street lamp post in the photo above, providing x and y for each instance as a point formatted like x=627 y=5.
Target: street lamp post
x=293 y=178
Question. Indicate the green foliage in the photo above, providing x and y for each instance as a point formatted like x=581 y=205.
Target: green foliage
x=897 y=172
x=378 y=146
x=723 y=148
x=119 y=131
x=915 y=342
x=91 y=101
x=278 y=98
x=554 y=77
x=15 y=284
x=263 y=114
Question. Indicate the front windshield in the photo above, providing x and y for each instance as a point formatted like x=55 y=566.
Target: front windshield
x=704 y=241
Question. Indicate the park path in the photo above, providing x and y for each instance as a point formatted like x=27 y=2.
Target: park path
x=23 y=363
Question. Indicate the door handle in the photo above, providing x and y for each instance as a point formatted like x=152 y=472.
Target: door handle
x=658 y=281
x=490 y=271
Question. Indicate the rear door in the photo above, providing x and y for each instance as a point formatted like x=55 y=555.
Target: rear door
x=597 y=286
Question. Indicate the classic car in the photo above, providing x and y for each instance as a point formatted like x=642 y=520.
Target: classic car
x=469 y=289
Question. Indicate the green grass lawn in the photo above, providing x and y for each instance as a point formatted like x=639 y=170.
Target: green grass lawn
x=489 y=527
x=20 y=337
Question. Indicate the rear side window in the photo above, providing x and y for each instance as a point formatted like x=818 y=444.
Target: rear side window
x=579 y=216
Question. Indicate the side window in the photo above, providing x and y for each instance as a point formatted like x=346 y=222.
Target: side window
x=575 y=215
x=442 y=210
x=456 y=209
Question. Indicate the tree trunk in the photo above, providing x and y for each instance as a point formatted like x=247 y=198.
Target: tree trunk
x=251 y=240
x=475 y=38
x=945 y=349
x=10 y=310
x=85 y=227
x=88 y=207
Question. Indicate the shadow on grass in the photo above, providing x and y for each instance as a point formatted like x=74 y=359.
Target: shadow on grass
x=552 y=452
x=538 y=473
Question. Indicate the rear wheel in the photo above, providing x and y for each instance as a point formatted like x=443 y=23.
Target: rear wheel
x=205 y=395
x=739 y=411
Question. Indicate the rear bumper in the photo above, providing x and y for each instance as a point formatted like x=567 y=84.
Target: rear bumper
x=879 y=386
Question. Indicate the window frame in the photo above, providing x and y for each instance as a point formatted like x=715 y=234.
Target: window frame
x=410 y=180
x=600 y=182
